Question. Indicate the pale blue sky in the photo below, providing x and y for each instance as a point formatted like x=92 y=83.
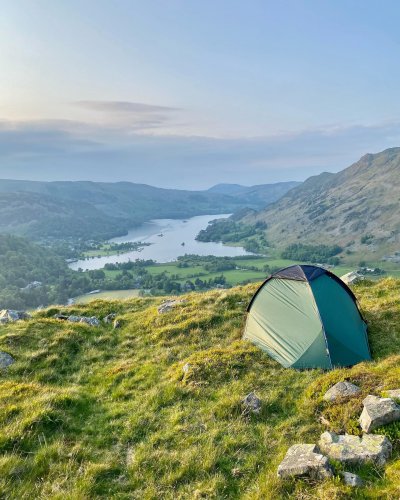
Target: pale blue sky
x=190 y=93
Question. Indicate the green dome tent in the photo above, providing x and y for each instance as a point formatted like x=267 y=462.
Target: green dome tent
x=306 y=317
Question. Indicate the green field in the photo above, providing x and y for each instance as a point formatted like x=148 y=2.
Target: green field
x=107 y=295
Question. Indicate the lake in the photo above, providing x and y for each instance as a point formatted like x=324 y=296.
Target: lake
x=168 y=247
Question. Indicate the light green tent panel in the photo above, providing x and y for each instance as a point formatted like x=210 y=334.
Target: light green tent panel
x=284 y=321
x=344 y=328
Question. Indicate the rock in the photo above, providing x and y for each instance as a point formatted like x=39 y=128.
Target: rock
x=252 y=403
x=353 y=450
x=6 y=359
x=74 y=319
x=117 y=324
x=93 y=321
x=341 y=390
x=304 y=460
x=393 y=393
x=62 y=317
x=186 y=367
x=109 y=318
x=168 y=305
x=10 y=315
x=352 y=479
x=378 y=411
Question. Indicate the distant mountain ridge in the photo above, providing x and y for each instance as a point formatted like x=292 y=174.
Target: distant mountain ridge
x=98 y=210
x=358 y=207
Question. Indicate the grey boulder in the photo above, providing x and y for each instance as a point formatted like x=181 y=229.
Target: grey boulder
x=353 y=450
x=304 y=460
x=109 y=318
x=6 y=359
x=117 y=324
x=341 y=390
x=168 y=305
x=10 y=315
x=378 y=411
x=92 y=321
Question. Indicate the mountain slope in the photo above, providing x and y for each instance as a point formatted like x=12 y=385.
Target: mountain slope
x=97 y=210
x=100 y=413
x=358 y=207
x=255 y=196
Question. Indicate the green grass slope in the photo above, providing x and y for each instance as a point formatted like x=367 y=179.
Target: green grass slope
x=102 y=413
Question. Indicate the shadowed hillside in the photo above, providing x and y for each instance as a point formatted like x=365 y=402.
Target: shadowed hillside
x=94 y=412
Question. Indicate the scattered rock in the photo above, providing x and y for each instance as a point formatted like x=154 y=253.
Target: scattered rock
x=109 y=318
x=6 y=359
x=304 y=460
x=117 y=324
x=393 y=393
x=341 y=390
x=62 y=317
x=352 y=450
x=352 y=479
x=10 y=315
x=92 y=321
x=252 y=403
x=168 y=305
x=74 y=319
x=378 y=411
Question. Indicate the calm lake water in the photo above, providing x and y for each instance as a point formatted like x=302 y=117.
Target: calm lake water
x=168 y=247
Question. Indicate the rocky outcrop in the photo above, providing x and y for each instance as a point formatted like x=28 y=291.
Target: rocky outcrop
x=304 y=460
x=10 y=315
x=6 y=359
x=378 y=411
x=109 y=318
x=353 y=450
x=341 y=390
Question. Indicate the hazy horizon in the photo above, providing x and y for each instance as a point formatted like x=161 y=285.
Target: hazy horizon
x=190 y=94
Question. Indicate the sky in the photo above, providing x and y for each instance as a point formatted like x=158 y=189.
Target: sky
x=187 y=94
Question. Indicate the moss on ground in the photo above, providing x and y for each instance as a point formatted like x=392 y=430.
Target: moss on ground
x=95 y=412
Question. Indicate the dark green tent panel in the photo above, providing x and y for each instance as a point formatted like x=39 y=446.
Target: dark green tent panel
x=306 y=317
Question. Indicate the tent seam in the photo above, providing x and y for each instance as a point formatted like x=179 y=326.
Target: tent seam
x=322 y=324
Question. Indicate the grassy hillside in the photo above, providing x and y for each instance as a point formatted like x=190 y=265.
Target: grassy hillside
x=101 y=413
x=356 y=208
x=102 y=210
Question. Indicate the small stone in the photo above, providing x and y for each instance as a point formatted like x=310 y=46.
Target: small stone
x=304 y=460
x=353 y=450
x=109 y=318
x=352 y=479
x=117 y=324
x=341 y=390
x=393 y=393
x=6 y=359
x=252 y=403
x=168 y=305
x=62 y=317
x=186 y=367
x=378 y=411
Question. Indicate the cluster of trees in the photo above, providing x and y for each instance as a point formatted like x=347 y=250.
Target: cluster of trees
x=227 y=230
x=324 y=254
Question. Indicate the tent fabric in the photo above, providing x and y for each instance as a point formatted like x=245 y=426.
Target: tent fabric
x=307 y=323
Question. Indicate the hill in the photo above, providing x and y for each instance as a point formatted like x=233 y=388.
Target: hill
x=357 y=208
x=257 y=196
x=92 y=412
x=93 y=210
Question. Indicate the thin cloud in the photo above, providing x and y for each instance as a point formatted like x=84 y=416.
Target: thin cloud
x=125 y=107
